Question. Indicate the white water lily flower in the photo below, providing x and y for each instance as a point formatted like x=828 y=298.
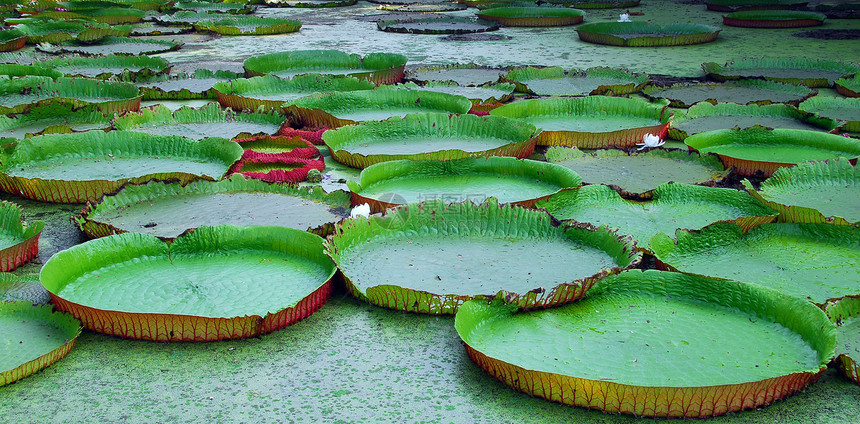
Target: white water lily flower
x=650 y=141
x=360 y=210
x=624 y=17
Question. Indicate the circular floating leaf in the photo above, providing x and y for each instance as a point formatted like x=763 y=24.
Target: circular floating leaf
x=849 y=86
x=838 y=108
x=38 y=69
x=213 y=283
x=110 y=67
x=199 y=85
x=156 y=29
x=774 y=19
x=590 y=122
x=671 y=207
x=18 y=242
x=844 y=313
x=705 y=116
x=379 y=68
x=463 y=75
x=429 y=136
x=628 y=345
x=593 y=81
x=635 y=175
x=761 y=151
x=208 y=121
x=120 y=45
x=509 y=180
x=81 y=167
x=739 y=5
x=596 y=4
x=167 y=210
x=250 y=25
x=489 y=95
x=33 y=337
x=533 y=16
x=644 y=34
x=740 y=92
x=345 y=108
x=271 y=92
x=55 y=32
x=443 y=25
x=813 y=192
x=432 y=257
x=21 y=94
x=431 y=7
x=215 y=8
x=310 y=3
x=817 y=262
x=12 y=39
x=52 y=118
x=794 y=70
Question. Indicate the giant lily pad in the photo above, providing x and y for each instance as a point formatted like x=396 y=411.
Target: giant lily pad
x=533 y=16
x=463 y=74
x=12 y=39
x=794 y=70
x=18 y=242
x=379 y=68
x=486 y=96
x=516 y=181
x=22 y=287
x=741 y=92
x=429 y=136
x=33 y=337
x=593 y=81
x=310 y=3
x=81 y=167
x=671 y=207
x=705 y=116
x=432 y=257
x=51 y=31
x=208 y=121
x=644 y=34
x=849 y=86
x=845 y=313
x=215 y=8
x=345 y=108
x=761 y=151
x=38 y=69
x=271 y=92
x=211 y=284
x=104 y=15
x=250 y=25
x=740 y=5
x=199 y=85
x=842 y=109
x=277 y=169
x=629 y=345
x=596 y=4
x=116 y=45
x=53 y=118
x=590 y=122
x=437 y=25
x=166 y=210
x=817 y=262
x=774 y=19
x=20 y=94
x=107 y=67
x=813 y=192
x=636 y=175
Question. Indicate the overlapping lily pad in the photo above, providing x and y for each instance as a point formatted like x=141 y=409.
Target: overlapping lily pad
x=207 y=121
x=166 y=210
x=271 y=92
x=596 y=4
x=533 y=16
x=18 y=242
x=517 y=181
x=761 y=151
x=846 y=110
x=115 y=45
x=740 y=5
x=51 y=31
x=199 y=85
x=774 y=19
x=590 y=122
x=437 y=25
x=379 y=68
x=644 y=34
x=21 y=94
x=636 y=175
x=593 y=81
x=794 y=70
x=432 y=257
x=740 y=92
x=278 y=169
x=628 y=345
x=51 y=119
x=705 y=116
x=81 y=167
x=844 y=313
x=12 y=39
x=430 y=136
x=484 y=97
x=110 y=67
x=813 y=192
x=849 y=86
x=670 y=207
x=337 y=109
x=310 y=3
x=468 y=74
x=22 y=287
x=214 y=283
x=33 y=337
x=279 y=146
x=249 y=25
x=817 y=262
x=215 y=8
x=104 y=15
x=38 y=69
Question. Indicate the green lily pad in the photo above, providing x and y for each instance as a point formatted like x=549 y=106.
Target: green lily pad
x=774 y=19
x=740 y=5
x=33 y=337
x=845 y=313
x=110 y=67
x=346 y=108
x=590 y=122
x=186 y=17
x=462 y=74
x=424 y=7
x=96 y=33
x=431 y=257
x=671 y=207
x=517 y=181
x=21 y=94
x=81 y=167
x=533 y=16
x=794 y=70
x=310 y=3
x=636 y=175
x=38 y=69
x=838 y=108
x=817 y=262
x=215 y=7
x=645 y=34
x=592 y=81
x=596 y=4
x=627 y=346
x=439 y=25
x=199 y=85
x=213 y=283
x=813 y=192
x=55 y=32
x=740 y=92
x=116 y=45
x=53 y=118
x=429 y=136
x=271 y=92
x=705 y=116
x=166 y=210
x=152 y=29
x=12 y=39
x=379 y=68
x=18 y=242
x=250 y=25
x=849 y=86
x=761 y=151
x=104 y=15
x=488 y=94
x=208 y=121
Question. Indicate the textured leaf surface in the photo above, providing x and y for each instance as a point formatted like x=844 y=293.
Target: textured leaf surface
x=18 y=242
x=839 y=108
x=464 y=75
x=554 y=82
x=740 y=92
x=379 y=68
x=272 y=91
x=705 y=116
x=645 y=34
x=810 y=72
x=845 y=313
x=208 y=121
